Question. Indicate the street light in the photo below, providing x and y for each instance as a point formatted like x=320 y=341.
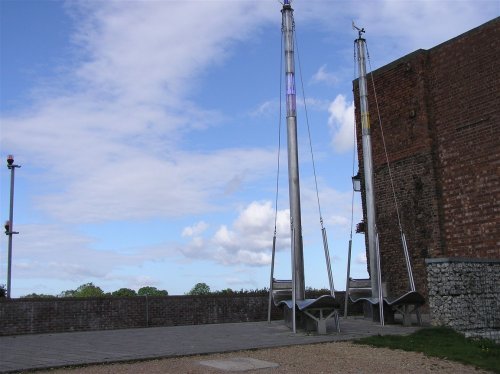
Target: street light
x=356 y=182
x=9 y=225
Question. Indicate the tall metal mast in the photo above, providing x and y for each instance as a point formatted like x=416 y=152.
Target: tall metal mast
x=9 y=225
x=368 y=169
x=293 y=159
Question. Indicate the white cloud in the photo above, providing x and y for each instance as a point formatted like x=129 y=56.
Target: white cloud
x=399 y=27
x=249 y=239
x=361 y=258
x=266 y=108
x=196 y=229
x=341 y=123
x=323 y=76
x=113 y=142
x=108 y=139
x=52 y=249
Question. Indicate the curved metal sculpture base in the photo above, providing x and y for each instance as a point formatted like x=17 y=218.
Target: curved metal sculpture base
x=406 y=305
x=312 y=314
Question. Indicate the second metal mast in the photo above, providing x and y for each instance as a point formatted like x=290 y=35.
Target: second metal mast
x=293 y=159
x=368 y=170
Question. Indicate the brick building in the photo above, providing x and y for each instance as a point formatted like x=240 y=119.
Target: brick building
x=440 y=112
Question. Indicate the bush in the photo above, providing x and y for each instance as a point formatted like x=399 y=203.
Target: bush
x=200 y=289
x=36 y=296
x=151 y=291
x=85 y=290
x=124 y=292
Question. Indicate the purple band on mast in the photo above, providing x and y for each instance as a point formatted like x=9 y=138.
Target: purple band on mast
x=290 y=83
x=290 y=94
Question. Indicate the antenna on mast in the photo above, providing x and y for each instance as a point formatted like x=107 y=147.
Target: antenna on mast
x=360 y=30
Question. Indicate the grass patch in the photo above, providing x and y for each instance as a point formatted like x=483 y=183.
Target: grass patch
x=443 y=343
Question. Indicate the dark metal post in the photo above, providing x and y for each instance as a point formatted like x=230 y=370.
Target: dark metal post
x=9 y=226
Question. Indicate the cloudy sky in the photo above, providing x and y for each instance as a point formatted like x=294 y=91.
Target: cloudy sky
x=148 y=137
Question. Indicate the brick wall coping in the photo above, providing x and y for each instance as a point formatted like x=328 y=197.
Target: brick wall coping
x=135 y=297
x=461 y=259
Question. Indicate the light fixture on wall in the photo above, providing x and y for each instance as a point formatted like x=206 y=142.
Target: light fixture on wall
x=356 y=182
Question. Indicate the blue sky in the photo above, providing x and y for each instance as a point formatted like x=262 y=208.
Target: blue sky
x=147 y=132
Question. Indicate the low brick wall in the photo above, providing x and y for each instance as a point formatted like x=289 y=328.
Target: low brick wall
x=465 y=294
x=21 y=316
x=35 y=316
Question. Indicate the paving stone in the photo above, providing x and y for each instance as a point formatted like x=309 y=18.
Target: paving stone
x=43 y=351
x=239 y=364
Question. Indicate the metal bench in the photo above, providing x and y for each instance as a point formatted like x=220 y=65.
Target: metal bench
x=282 y=290
x=406 y=304
x=320 y=310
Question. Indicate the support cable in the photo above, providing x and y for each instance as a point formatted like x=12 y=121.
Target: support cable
x=279 y=137
x=308 y=130
x=273 y=255
x=383 y=140
x=403 y=237
x=323 y=229
x=349 y=250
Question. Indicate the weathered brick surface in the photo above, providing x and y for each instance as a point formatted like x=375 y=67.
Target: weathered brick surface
x=440 y=111
x=20 y=316
x=34 y=316
x=466 y=102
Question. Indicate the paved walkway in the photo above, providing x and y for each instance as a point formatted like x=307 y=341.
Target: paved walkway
x=25 y=352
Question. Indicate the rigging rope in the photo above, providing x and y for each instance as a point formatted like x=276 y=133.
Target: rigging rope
x=354 y=147
x=403 y=237
x=279 y=139
x=323 y=229
x=383 y=141
x=308 y=131
x=273 y=253
x=349 y=249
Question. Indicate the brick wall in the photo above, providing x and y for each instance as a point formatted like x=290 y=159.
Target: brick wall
x=34 y=316
x=440 y=113
x=19 y=316
x=465 y=97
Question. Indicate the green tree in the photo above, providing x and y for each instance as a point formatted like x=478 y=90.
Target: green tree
x=151 y=291
x=85 y=290
x=3 y=290
x=200 y=289
x=225 y=292
x=67 y=293
x=124 y=292
x=36 y=296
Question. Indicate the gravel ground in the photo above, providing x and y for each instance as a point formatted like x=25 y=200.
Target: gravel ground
x=339 y=357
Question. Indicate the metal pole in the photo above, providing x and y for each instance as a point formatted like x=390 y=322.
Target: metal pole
x=368 y=168
x=269 y=307
x=294 y=281
x=379 y=284
x=293 y=163
x=408 y=262
x=346 y=301
x=10 y=232
x=328 y=262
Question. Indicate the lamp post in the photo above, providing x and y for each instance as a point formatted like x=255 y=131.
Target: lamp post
x=9 y=225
